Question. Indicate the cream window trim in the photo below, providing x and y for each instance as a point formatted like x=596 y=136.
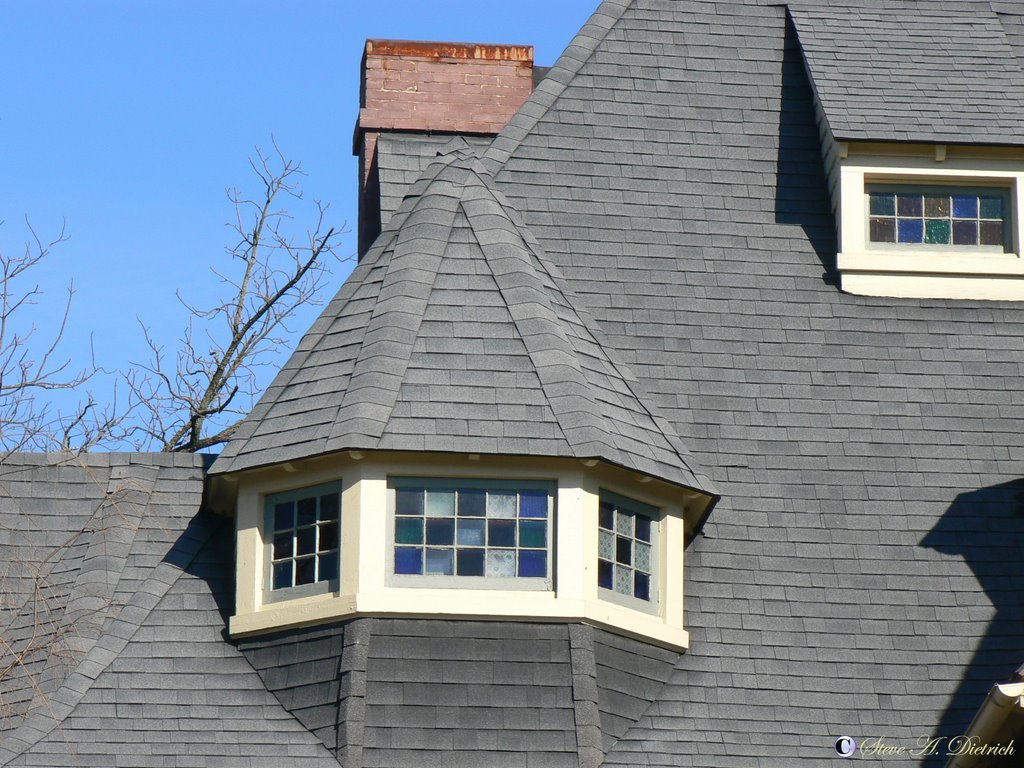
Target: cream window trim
x=365 y=588
x=933 y=271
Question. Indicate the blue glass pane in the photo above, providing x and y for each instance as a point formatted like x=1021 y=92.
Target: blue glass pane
x=328 y=567
x=409 y=501
x=883 y=204
x=329 y=506
x=472 y=503
x=282 y=545
x=408 y=560
x=909 y=205
x=643 y=528
x=533 y=563
x=439 y=561
x=328 y=537
x=307 y=510
x=623 y=550
x=965 y=233
x=911 y=230
x=408 y=530
x=305 y=571
x=533 y=504
x=606 y=516
x=305 y=543
x=501 y=533
x=642 y=586
x=965 y=206
x=283 y=575
x=533 y=533
x=441 y=531
x=284 y=516
x=472 y=532
x=604 y=574
x=471 y=562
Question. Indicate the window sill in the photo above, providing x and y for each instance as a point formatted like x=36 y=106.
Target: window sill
x=933 y=275
x=458 y=604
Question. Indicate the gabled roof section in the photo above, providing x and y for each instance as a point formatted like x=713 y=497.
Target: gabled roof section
x=456 y=334
x=913 y=71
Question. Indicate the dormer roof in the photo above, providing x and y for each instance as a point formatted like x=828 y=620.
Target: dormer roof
x=456 y=334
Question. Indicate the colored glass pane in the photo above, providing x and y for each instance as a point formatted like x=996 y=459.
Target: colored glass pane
x=328 y=537
x=533 y=563
x=440 y=504
x=533 y=534
x=409 y=501
x=439 y=561
x=501 y=533
x=408 y=530
x=471 y=533
x=883 y=230
x=441 y=532
x=936 y=206
x=606 y=515
x=623 y=550
x=965 y=233
x=472 y=503
x=937 y=231
x=605 y=575
x=908 y=204
x=991 y=233
x=642 y=586
x=533 y=504
x=284 y=516
x=408 y=560
x=470 y=562
x=991 y=207
x=910 y=230
x=643 y=528
x=965 y=206
x=883 y=204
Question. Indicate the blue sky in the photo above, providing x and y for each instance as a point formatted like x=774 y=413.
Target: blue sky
x=128 y=120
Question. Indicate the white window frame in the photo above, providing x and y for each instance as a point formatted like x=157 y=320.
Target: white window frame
x=657 y=517
x=927 y=270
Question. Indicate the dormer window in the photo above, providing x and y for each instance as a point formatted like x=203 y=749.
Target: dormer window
x=471 y=528
x=627 y=539
x=938 y=217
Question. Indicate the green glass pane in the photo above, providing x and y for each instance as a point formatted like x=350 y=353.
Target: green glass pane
x=533 y=534
x=408 y=530
x=883 y=204
x=937 y=231
x=440 y=503
x=992 y=207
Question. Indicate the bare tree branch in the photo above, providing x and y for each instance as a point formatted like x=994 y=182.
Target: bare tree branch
x=199 y=401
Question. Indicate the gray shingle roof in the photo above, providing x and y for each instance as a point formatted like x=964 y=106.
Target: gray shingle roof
x=456 y=335
x=913 y=71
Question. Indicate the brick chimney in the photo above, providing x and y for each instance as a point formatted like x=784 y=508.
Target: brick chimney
x=422 y=88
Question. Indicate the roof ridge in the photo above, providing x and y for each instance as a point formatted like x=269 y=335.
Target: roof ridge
x=564 y=70
x=418 y=251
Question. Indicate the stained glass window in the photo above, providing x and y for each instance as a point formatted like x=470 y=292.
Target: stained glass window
x=303 y=528
x=936 y=216
x=625 y=547
x=471 y=528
